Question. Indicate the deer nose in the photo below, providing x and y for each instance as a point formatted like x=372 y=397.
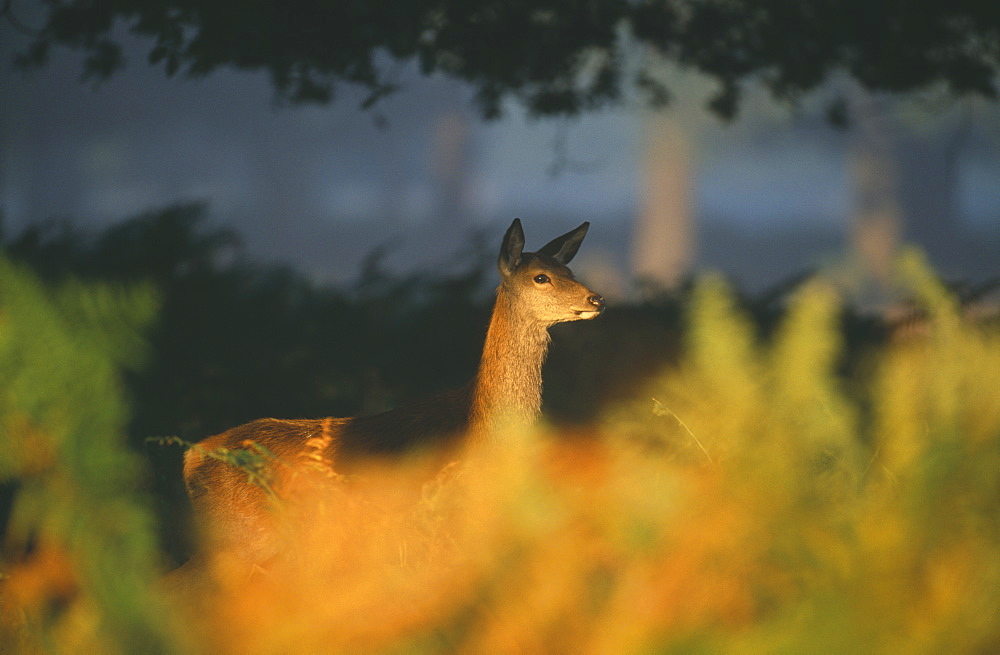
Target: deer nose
x=597 y=302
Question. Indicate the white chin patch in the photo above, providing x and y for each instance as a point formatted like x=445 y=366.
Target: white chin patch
x=588 y=315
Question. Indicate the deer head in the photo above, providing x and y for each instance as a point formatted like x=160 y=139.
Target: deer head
x=540 y=282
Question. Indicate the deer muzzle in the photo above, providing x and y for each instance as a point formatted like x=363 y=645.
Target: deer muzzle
x=596 y=303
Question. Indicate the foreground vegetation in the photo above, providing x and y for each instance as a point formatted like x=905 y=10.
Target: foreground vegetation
x=761 y=493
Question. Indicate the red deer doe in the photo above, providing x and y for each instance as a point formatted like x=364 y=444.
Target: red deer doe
x=536 y=291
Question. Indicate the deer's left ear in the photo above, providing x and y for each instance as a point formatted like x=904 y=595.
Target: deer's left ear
x=510 y=250
x=563 y=249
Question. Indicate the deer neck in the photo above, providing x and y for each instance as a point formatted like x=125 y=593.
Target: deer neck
x=508 y=386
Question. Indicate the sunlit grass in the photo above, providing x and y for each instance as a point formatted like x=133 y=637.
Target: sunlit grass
x=751 y=499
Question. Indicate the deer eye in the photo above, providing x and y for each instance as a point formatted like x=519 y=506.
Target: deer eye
x=542 y=278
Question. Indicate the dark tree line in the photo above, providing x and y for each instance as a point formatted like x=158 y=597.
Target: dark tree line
x=558 y=57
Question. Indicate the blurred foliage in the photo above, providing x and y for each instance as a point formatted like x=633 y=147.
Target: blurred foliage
x=79 y=555
x=555 y=56
x=725 y=474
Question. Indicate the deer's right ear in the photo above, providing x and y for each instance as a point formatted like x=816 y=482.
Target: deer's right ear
x=510 y=250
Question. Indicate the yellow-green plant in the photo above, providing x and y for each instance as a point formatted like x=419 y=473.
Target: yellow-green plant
x=79 y=555
x=825 y=520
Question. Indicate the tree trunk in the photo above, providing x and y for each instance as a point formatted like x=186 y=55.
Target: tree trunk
x=664 y=239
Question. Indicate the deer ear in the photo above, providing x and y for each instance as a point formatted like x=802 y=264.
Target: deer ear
x=510 y=250
x=563 y=249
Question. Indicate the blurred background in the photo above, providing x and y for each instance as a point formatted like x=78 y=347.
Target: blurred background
x=774 y=191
